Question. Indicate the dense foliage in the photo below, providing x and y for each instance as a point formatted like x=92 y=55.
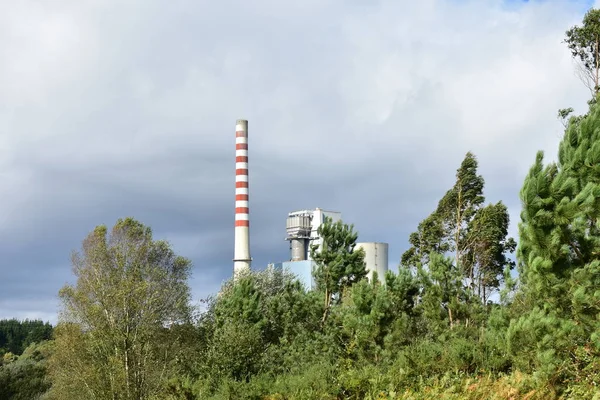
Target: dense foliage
x=25 y=347
x=16 y=336
x=116 y=335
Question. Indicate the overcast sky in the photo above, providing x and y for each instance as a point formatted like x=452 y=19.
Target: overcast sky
x=115 y=108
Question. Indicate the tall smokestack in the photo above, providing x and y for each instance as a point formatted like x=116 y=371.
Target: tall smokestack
x=241 y=257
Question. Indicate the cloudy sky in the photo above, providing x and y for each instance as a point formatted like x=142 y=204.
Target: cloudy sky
x=127 y=108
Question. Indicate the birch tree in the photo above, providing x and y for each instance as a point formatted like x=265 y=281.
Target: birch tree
x=113 y=338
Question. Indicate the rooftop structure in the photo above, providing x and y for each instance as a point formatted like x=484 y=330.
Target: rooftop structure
x=302 y=231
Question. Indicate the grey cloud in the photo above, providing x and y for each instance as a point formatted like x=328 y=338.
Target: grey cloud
x=114 y=109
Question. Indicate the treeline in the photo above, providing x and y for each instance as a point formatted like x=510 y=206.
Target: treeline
x=16 y=335
x=24 y=350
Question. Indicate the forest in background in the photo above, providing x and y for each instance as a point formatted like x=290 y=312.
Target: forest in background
x=127 y=329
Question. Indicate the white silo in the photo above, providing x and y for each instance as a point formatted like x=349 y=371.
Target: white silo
x=376 y=258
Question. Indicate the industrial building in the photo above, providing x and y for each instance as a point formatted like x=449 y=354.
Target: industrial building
x=302 y=233
x=301 y=227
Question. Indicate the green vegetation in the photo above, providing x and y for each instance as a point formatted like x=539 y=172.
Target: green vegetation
x=25 y=347
x=127 y=330
x=119 y=331
x=584 y=43
x=338 y=265
x=16 y=336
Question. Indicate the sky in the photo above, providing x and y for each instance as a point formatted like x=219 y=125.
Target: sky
x=111 y=109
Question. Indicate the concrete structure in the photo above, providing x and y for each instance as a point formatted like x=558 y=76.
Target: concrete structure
x=302 y=226
x=302 y=232
x=376 y=258
x=301 y=269
x=241 y=256
x=298 y=227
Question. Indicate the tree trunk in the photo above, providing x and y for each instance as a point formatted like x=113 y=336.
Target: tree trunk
x=484 y=296
x=327 y=303
x=458 y=218
x=472 y=272
x=479 y=282
x=596 y=56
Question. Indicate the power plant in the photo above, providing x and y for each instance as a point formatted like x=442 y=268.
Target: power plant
x=301 y=228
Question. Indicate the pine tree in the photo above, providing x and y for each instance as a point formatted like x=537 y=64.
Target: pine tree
x=558 y=256
x=339 y=266
x=443 y=295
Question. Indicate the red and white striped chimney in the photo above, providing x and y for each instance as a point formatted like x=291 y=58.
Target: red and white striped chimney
x=241 y=257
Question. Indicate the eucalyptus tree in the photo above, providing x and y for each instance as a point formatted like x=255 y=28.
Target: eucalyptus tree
x=487 y=247
x=461 y=226
x=584 y=43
